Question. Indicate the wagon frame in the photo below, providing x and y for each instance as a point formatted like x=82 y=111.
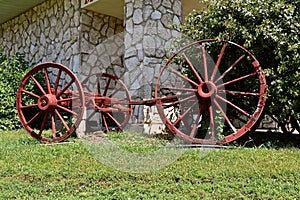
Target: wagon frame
x=199 y=98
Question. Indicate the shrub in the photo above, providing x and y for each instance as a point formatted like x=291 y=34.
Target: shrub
x=270 y=30
x=12 y=70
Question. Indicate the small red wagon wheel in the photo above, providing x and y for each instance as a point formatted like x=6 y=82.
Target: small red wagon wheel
x=50 y=102
x=107 y=101
x=211 y=92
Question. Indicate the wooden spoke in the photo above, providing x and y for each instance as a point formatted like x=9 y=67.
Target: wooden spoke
x=35 y=117
x=180 y=89
x=234 y=106
x=53 y=124
x=184 y=114
x=224 y=115
x=230 y=68
x=104 y=121
x=29 y=106
x=111 y=117
x=237 y=80
x=196 y=124
x=30 y=93
x=192 y=68
x=67 y=110
x=62 y=120
x=43 y=125
x=212 y=121
x=57 y=81
x=106 y=87
x=65 y=88
x=38 y=85
x=47 y=80
x=216 y=68
x=239 y=93
x=204 y=63
x=184 y=77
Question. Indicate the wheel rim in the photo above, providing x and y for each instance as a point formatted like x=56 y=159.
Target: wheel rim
x=217 y=89
x=50 y=102
x=108 y=103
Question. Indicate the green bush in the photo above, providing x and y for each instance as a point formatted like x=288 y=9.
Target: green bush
x=270 y=30
x=12 y=70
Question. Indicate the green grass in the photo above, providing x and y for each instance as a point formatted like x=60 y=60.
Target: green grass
x=30 y=170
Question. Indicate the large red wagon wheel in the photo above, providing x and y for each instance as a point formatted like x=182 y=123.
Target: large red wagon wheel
x=211 y=92
x=108 y=103
x=50 y=102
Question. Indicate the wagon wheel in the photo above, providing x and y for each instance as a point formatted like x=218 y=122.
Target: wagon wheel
x=215 y=91
x=50 y=102
x=108 y=102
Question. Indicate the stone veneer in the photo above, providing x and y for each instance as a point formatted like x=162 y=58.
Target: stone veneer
x=148 y=34
x=102 y=44
x=58 y=31
x=50 y=32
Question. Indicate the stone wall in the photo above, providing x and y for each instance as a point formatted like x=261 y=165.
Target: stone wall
x=47 y=33
x=102 y=44
x=148 y=32
x=148 y=35
x=60 y=31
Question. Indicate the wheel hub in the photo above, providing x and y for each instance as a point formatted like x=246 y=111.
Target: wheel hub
x=47 y=101
x=207 y=89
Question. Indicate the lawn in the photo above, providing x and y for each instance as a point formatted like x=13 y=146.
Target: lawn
x=31 y=170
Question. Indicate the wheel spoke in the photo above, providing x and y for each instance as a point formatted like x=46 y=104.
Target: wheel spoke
x=115 y=92
x=193 y=132
x=111 y=117
x=239 y=93
x=237 y=80
x=98 y=86
x=121 y=108
x=38 y=85
x=192 y=68
x=91 y=115
x=47 y=81
x=53 y=125
x=65 y=88
x=184 y=114
x=224 y=115
x=180 y=89
x=168 y=104
x=204 y=63
x=29 y=106
x=184 y=78
x=62 y=120
x=67 y=110
x=105 y=122
x=37 y=115
x=234 y=106
x=218 y=63
x=31 y=94
x=106 y=87
x=57 y=81
x=68 y=99
x=44 y=123
x=212 y=122
x=230 y=68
